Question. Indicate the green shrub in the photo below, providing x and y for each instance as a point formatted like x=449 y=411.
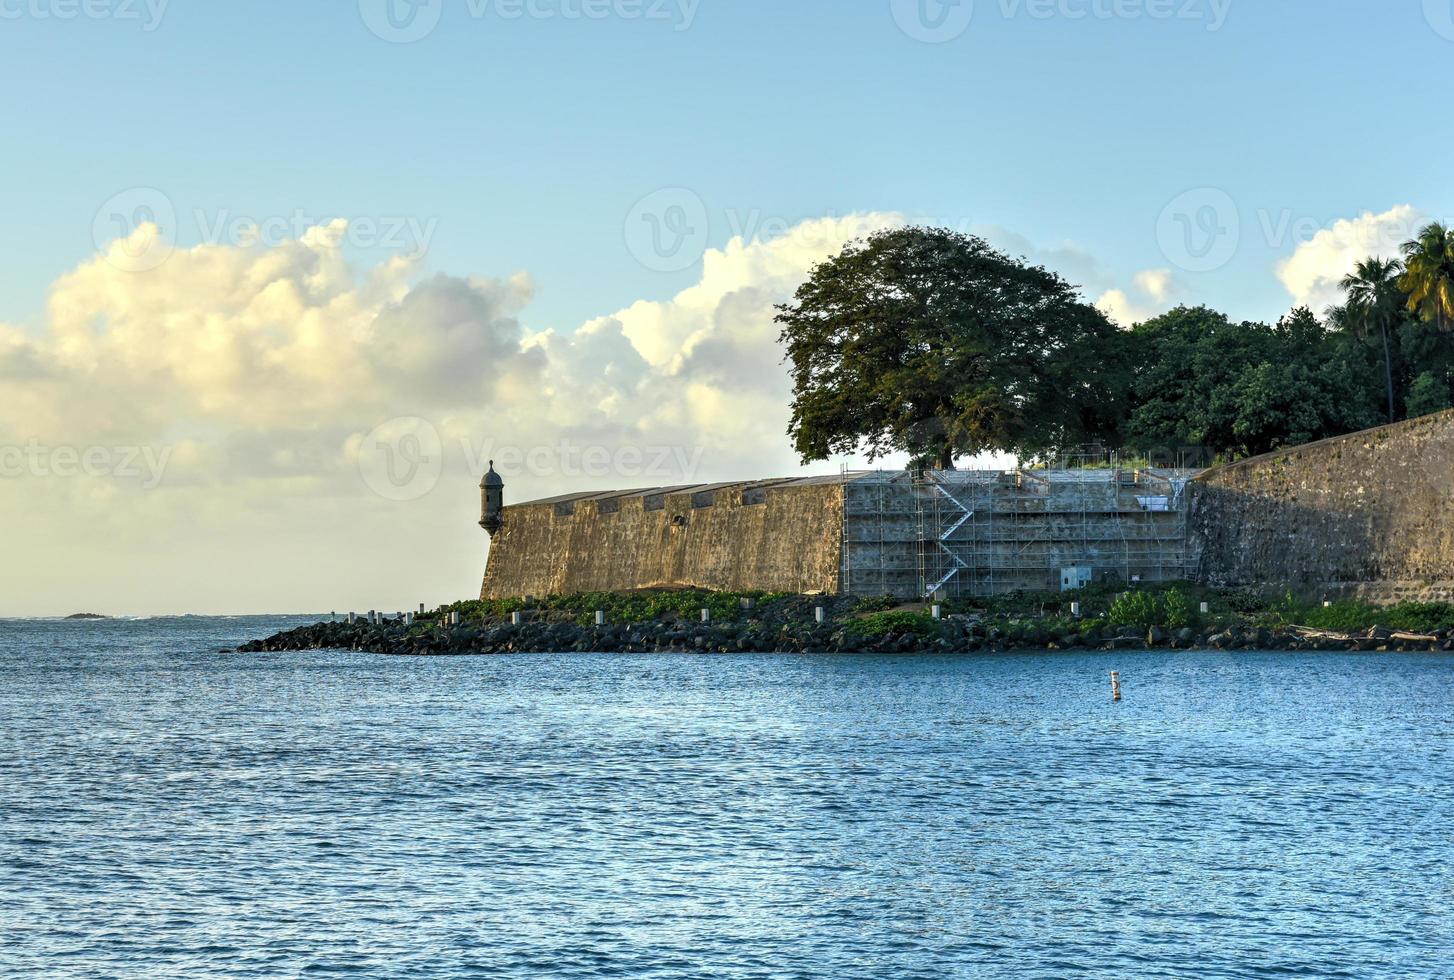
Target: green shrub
x=1420 y=617
x=875 y=603
x=1178 y=609
x=877 y=625
x=1135 y=609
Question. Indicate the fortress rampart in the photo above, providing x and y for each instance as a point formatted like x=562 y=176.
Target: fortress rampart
x=1368 y=514
x=777 y=536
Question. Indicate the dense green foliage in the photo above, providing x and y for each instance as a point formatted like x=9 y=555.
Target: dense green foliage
x=1353 y=616
x=1242 y=389
x=930 y=342
x=1427 y=395
x=879 y=624
x=620 y=608
x=1135 y=609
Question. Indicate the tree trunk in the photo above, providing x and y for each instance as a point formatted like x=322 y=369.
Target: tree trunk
x=1388 y=372
x=946 y=458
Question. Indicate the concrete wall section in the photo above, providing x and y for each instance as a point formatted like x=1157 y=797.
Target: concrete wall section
x=1368 y=514
x=781 y=536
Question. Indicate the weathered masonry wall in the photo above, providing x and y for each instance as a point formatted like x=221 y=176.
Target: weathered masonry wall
x=774 y=537
x=1368 y=514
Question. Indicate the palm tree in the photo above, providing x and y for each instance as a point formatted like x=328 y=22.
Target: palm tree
x=1374 y=303
x=1429 y=274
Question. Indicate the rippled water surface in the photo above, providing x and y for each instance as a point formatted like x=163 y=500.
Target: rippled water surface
x=167 y=810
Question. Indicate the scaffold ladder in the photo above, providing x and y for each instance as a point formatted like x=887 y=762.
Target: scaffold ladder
x=942 y=540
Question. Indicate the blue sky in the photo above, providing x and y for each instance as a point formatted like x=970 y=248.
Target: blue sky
x=529 y=140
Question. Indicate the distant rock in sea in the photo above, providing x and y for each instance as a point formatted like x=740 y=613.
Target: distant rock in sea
x=88 y=616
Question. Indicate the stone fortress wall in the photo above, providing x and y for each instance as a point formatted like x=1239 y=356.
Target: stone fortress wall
x=1369 y=514
x=776 y=536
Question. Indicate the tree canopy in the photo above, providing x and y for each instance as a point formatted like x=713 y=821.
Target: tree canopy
x=931 y=342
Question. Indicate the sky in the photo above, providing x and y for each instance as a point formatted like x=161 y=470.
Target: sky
x=281 y=276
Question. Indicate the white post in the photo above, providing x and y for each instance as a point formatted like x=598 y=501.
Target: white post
x=1075 y=609
x=706 y=615
x=1206 y=608
x=600 y=618
x=938 y=611
x=820 y=614
x=514 y=619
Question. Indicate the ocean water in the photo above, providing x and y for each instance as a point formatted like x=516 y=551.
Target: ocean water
x=170 y=811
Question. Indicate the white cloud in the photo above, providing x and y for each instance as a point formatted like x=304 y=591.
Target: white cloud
x=1155 y=283
x=1151 y=295
x=255 y=374
x=1314 y=270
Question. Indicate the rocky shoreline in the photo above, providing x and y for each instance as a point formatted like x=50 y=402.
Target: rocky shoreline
x=955 y=636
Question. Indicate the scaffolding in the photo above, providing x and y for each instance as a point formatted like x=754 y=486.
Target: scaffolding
x=977 y=533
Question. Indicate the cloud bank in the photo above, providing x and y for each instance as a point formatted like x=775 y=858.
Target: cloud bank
x=299 y=430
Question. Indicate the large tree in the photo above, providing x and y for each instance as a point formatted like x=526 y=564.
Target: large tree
x=1374 y=308
x=1429 y=274
x=930 y=342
